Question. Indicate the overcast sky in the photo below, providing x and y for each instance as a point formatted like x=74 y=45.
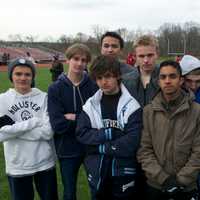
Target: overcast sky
x=45 y=18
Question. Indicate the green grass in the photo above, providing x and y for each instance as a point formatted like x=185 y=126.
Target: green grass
x=43 y=79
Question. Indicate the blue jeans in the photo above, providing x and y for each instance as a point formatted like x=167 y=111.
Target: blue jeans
x=45 y=182
x=69 y=168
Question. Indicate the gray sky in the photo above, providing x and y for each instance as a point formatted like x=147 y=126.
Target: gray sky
x=44 y=18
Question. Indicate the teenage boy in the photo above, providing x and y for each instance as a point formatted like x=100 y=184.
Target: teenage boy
x=142 y=82
x=112 y=45
x=109 y=127
x=27 y=136
x=170 y=144
x=191 y=72
x=66 y=97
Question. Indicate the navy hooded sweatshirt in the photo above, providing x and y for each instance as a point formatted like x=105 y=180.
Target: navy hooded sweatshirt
x=63 y=98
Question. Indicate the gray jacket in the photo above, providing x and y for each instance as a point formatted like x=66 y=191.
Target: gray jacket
x=133 y=83
x=125 y=68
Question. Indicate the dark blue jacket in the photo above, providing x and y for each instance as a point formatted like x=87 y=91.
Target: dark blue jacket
x=197 y=96
x=63 y=98
x=122 y=150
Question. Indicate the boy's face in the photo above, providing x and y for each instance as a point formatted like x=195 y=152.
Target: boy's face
x=22 y=78
x=146 y=57
x=110 y=47
x=192 y=82
x=77 y=63
x=170 y=81
x=108 y=83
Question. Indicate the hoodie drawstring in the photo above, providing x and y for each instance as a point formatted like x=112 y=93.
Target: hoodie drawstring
x=74 y=97
x=79 y=92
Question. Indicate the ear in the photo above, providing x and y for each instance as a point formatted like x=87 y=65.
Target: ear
x=158 y=81
x=181 y=80
x=67 y=61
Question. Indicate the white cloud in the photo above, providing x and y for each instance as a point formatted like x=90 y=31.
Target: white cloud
x=57 y=17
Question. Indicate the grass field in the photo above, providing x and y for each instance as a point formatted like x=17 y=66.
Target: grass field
x=42 y=81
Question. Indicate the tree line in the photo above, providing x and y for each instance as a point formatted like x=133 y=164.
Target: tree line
x=174 y=39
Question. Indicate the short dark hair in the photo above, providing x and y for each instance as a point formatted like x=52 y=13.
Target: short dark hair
x=105 y=64
x=114 y=35
x=171 y=63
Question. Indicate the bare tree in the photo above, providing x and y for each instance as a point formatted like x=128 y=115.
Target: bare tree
x=98 y=31
x=65 y=39
x=16 y=37
x=31 y=38
x=81 y=37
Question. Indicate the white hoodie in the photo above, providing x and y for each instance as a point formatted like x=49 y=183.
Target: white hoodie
x=28 y=145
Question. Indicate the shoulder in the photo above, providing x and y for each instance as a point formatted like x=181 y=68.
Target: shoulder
x=148 y=109
x=38 y=91
x=4 y=94
x=55 y=86
x=89 y=83
x=127 y=100
x=134 y=74
x=7 y=94
x=38 y=95
x=87 y=107
x=5 y=99
x=196 y=107
x=125 y=68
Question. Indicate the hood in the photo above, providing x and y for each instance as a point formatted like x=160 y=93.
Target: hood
x=189 y=63
x=32 y=93
x=124 y=99
x=63 y=78
x=11 y=95
x=158 y=101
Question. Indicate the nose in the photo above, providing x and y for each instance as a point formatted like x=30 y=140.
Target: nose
x=23 y=77
x=146 y=60
x=80 y=62
x=103 y=80
x=167 y=79
x=110 y=49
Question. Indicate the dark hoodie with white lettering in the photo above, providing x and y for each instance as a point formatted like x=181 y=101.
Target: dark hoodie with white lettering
x=63 y=98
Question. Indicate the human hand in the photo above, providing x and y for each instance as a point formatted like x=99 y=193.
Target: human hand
x=113 y=133
x=6 y=120
x=170 y=185
x=70 y=116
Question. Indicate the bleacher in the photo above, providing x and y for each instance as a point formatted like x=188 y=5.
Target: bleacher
x=39 y=55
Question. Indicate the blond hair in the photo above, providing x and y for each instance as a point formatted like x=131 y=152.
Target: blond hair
x=146 y=40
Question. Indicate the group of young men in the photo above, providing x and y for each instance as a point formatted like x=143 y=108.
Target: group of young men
x=135 y=129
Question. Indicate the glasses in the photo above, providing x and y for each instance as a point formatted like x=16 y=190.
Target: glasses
x=114 y=46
